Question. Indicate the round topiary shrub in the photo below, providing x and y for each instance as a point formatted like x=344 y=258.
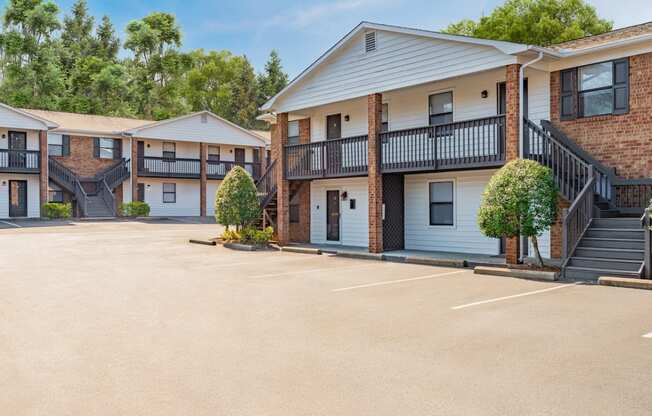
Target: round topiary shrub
x=520 y=199
x=236 y=200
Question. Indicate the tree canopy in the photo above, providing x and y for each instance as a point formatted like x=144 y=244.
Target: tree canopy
x=78 y=64
x=535 y=22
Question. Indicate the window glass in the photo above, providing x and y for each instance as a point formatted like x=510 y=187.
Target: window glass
x=106 y=148
x=441 y=203
x=214 y=153
x=596 y=76
x=441 y=108
x=55 y=145
x=169 y=192
x=169 y=150
x=293 y=132
x=597 y=102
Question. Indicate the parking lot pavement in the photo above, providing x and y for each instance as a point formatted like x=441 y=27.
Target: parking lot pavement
x=128 y=318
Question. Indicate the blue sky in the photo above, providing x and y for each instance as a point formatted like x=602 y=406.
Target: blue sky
x=303 y=30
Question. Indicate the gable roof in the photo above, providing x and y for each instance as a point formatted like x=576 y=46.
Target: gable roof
x=88 y=123
x=46 y=122
x=625 y=33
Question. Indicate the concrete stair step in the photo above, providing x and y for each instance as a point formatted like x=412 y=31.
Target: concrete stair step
x=620 y=233
x=592 y=274
x=609 y=253
x=617 y=223
x=623 y=243
x=608 y=264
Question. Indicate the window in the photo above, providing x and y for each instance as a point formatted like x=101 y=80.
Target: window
x=55 y=194
x=293 y=132
x=441 y=108
x=441 y=203
x=169 y=193
x=384 y=119
x=55 y=145
x=595 y=89
x=169 y=150
x=107 y=148
x=214 y=153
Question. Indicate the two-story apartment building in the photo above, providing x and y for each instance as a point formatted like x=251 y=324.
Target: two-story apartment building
x=388 y=140
x=99 y=162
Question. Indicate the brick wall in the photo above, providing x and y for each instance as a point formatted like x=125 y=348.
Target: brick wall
x=620 y=141
x=300 y=232
x=512 y=117
x=279 y=140
x=375 y=177
x=81 y=159
x=556 y=230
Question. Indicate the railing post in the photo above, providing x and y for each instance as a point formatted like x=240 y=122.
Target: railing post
x=564 y=234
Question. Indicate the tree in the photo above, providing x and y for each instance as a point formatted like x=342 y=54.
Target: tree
x=209 y=82
x=273 y=80
x=77 y=36
x=520 y=199
x=244 y=108
x=536 y=22
x=236 y=200
x=106 y=44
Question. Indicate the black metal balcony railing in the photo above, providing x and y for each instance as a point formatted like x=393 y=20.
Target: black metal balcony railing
x=20 y=161
x=189 y=168
x=461 y=145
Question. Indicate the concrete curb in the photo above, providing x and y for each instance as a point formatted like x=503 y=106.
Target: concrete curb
x=626 y=282
x=427 y=261
x=518 y=273
x=301 y=250
x=359 y=255
x=202 y=242
x=240 y=247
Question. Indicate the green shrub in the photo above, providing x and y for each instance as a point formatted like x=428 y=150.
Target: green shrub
x=248 y=235
x=262 y=237
x=230 y=236
x=58 y=210
x=520 y=199
x=134 y=209
x=236 y=200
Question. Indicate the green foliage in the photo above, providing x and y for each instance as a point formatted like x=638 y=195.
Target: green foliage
x=520 y=199
x=536 y=22
x=134 y=209
x=230 y=236
x=249 y=235
x=54 y=210
x=236 y=200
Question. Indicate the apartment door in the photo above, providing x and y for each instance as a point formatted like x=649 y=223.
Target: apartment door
x=140 y=196
x=17 y=141
x=333 y=215
x=140 y=154
x=334 y=152
x=17 y=198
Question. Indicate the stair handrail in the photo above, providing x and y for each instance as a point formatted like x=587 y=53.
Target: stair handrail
x=116 y=174
x=577 y=218
x=266 y=185
x=647 y=256
x=62 y=173
x=107 y=196
x=81 y=197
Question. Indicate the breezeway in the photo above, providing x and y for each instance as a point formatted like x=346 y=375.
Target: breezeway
x=132 y=315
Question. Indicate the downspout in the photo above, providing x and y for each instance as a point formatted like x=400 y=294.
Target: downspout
x=521 y=102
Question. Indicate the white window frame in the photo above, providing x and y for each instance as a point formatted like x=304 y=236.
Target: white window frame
x=163 y=151
x=173 y=193
x=111 y=149
x=209 y=154
x=455 y=205
x=434 y=92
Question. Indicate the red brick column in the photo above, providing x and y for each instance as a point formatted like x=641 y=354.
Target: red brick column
x=43 y=169
x=134 y=169
x=263 y=160
x=375 y=177
x=300 y=232
x=556 y=230
x=512 y=119
x=203 y=151
x=279 y=140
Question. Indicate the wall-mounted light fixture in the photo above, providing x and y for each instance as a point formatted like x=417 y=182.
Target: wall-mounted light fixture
x=347 y=118
x=4 y=136
x=345 y=195
x=4 y=183
x=484 y=94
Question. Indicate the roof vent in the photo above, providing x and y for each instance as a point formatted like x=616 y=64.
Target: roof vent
x=369 y=42
x=204 y=118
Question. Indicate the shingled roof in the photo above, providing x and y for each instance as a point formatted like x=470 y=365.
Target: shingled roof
x=604 y=38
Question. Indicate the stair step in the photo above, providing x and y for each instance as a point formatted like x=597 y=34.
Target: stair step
x=621 y=233
x=610 y=264
x=589 y=273
x=623 y=243
x=609 y=253
x=617 y=223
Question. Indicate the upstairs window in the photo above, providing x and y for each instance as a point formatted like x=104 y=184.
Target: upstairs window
x=214 y=153
x=293 y=132
x=58 y=145
x=441 y=108
x=595 y=89
x=107 y=148
x=384 y=119
x=169 y=150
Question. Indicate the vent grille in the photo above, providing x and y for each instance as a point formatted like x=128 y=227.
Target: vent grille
x=370 y=41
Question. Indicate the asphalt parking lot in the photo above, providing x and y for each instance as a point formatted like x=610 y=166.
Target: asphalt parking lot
x=127 y=318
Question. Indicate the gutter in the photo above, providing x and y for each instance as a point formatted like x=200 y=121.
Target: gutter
x=521 y=77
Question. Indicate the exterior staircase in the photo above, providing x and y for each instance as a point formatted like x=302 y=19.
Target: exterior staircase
x=266 y=187
x=101 y=203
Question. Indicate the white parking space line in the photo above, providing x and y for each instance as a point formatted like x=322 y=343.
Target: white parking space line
x=11 y=224
x=648 y=335
x=263 y=260
x=391 y=282
x=334 y=269
x=520 y=295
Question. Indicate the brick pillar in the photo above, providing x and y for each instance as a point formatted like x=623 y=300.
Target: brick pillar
x=375 y=177
x=43 y=169
x=556 y=230
x=134 y=169
x=300 y=232
x=203 y=152
x=279 y=140
x=263 y=160
x=512 y=118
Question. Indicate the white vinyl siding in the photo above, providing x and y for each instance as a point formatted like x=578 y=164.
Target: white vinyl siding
x=354 y=223
x=211 y=190
x=187 y=197
x=33 y=196
x=31 y=135
x=465 y=235
x=13 y=120
x=401 y=60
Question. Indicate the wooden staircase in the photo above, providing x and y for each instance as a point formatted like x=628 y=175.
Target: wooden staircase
x=267 y=194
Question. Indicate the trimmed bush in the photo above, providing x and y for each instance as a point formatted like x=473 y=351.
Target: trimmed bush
x=236 y=200
x=57 y=210
x=520 y=199
x=134 y=209
x=249 y=235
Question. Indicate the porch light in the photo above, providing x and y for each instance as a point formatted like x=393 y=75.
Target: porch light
x=346 y=118
x=345 y=195
x=484 y=94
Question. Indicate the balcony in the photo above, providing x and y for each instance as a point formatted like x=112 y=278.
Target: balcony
x=20 y=161
x=160 y=167
x=470 y=144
